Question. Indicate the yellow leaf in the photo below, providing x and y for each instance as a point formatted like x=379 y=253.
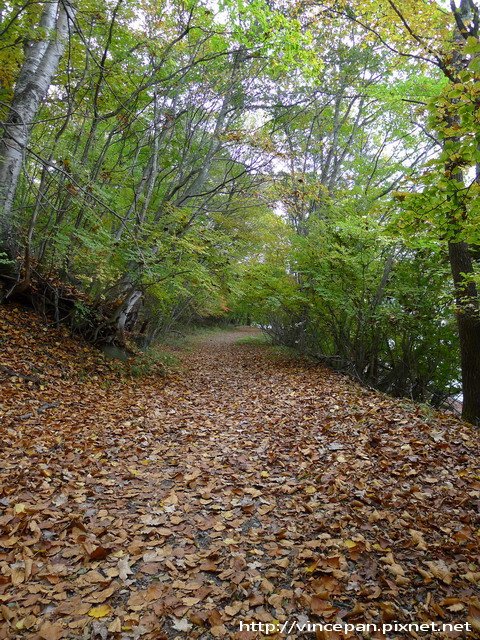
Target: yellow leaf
x=28 y=622
x=134 y=471
x=19 y=508
x=264 y=474
x=349 y=544
x=101 y=611
x=312 y=567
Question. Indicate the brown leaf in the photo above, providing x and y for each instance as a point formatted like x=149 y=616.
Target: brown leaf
x=440 y=570
x=99 y=553
x=51 y=631
x=101 y=596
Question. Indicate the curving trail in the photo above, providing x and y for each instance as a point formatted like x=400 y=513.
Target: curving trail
x=248 y=487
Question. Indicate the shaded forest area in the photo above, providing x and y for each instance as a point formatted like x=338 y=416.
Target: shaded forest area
x=309 y=167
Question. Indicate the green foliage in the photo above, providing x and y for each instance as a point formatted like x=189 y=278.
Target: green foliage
x=261 y=339
x=5 y=261
x=330 y=302
x=261 y=162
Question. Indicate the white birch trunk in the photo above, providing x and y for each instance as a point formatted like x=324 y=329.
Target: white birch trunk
x=41 y=63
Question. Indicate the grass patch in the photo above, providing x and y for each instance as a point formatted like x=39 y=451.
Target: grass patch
x=281 y=351
x=274 y=351
x=153 y=361
x=261 y=340
x=207 y=331
x=184 y=338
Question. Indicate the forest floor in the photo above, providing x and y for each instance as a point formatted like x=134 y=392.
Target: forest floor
x=246 y=487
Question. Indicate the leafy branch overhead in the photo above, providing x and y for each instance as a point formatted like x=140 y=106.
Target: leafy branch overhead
x=174 y=162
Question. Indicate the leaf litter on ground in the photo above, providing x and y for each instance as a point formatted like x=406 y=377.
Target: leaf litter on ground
x=242 y=487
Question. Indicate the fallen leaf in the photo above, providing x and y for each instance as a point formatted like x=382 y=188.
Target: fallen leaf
x=101 y=611
x=181 y=624
x=51 y=631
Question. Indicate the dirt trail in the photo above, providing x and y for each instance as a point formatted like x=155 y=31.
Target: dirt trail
x=248 y=487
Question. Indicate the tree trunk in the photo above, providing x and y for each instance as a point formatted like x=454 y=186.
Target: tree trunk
x=461 y=262
x=125 y=310
x=468 y=322
x=41 y=62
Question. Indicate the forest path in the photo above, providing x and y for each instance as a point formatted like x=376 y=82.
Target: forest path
x=248 y=487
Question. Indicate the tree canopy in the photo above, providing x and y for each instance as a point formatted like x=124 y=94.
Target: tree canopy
x=310 y=167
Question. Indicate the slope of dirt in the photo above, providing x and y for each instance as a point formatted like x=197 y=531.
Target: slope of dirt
x=246 y=488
